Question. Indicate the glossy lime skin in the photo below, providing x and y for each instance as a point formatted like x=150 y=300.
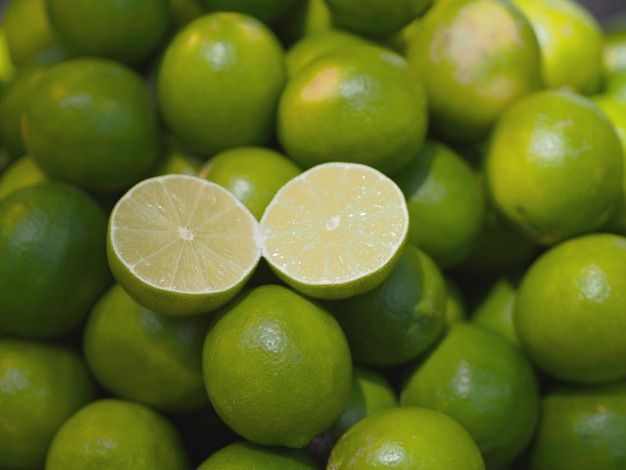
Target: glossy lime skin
x=52 y=246
x=245 y=454
x=41 y=386
x=219 y=82
x=357 y=104
x=569 y=309
x=554 y=167
x=483 y=382
x=145 y=356
x=399 y=319
x=91 y=122
x=267 y=11
x=112 y=433
x=128 y=31
x=409 y=437
x=474 y=59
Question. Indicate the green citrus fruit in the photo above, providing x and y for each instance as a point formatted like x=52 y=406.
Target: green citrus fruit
x=474 y=58
x=128 y=31
x=554 y=166
x=358 y=104
x=181 y=245
x=307 y=17
x=581 y=427
x=7 y=69
x=52 y=246
x=120 y=434
x=245 y=455
x=41 y=386
x=456 y=304
x=568 y=311
x=476 y=377
x=615 y=85
x=571 y=43
x=375 y=17
x=184 y=12
x=406 y=437
x=175 y=160
x=335 y=231
x=204 y=89
x=267 y=11
x=277 y=367
x=446 y=203
x=370 y=392
x=252 y=174
x=400 y=318
x=145 y=356
x=91 y=122
x=495 y=309
x=614 y=51
x=21 y=173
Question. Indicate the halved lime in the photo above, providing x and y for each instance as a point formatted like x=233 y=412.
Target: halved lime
x=181 y=245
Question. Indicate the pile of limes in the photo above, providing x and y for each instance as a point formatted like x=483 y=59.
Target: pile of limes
x=312 y=234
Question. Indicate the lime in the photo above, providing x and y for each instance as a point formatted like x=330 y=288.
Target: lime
x=474 y=58
x=307 y=17
x=127 y=31
x=120 y=434
x=277 y=367
x=7 y=69
x=582 y=427
x=476 y=377
x=91 y=122
x=184 y=12
x=336 y=230
x=20 y=174
x=495 y=309
x=52 y=246
x=456 y=304
x=145 y=356
x=615 y=85
x=245 y=455
x=407 y=437
x=267 y=11
x=571 y=43
x=614 y=51
x=252 y=174
x=400 y=318
x=375 y=17
x=359 y=104
x=554 y=167
x=176 y=160
x=446 y=203
x=181 y=245
x=370 y=392
x=204 y=89
x=569 y=309
x=41 y=386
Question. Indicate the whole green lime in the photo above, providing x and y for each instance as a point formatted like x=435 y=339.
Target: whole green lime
x=53 y=251
x=245 y=455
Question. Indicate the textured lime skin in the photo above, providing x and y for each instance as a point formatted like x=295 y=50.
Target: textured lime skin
x=412 y=438
x=569 y=310
x=112 y=433
x=145 y=356
x=554 y=167
x=52 y=246
x=277 y=367
x=246 y=455
x=204 y=88
x=483 y=382
x=41 y=386
x=91 y=122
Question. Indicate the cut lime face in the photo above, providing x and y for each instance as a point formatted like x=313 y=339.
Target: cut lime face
x=335 y=230
x=181 y=245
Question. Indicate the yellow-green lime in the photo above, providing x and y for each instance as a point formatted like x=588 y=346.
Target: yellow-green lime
x=554 y=166
x=400 y=318
x=144 y=356
x=7 y=68
x=120 y=434
x=129 y=32
x=495 y=309
x=474 y=59
x=53 y=251
x=406 y=437
x=336 y=230
x=91 y=122
x=569 y=309
x=181 y=245
x=615 y=85
x=479 y=379
x=571 y=43
x=21 y=173
x=614 y=50
x=41 y=386
x=252 y=174
x=277 y=367
x=446 y=203
x=245 y=455
x=359 y=104
x=203 y=85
